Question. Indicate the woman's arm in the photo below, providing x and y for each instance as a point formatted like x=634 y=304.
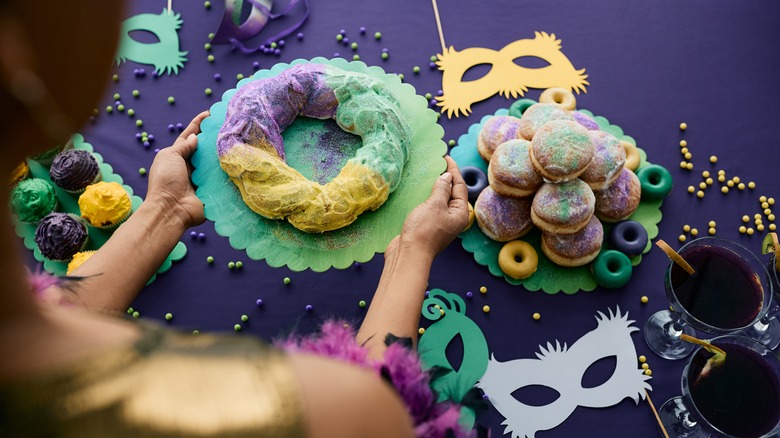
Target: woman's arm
x=429 y=228
x=123 y=265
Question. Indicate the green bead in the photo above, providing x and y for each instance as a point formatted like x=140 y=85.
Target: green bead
x=195 y=332
x=209 y=259
x=208 y=91
x=416 y=69
x=120 y=107
x=210 y=58
x=401 y=76
x=434 y=58
x=115 y=78
x=211 y=36
x=354 y=46
x=451 y=143
x=231 y=265
x=287 y=280
x=244 y=318
x=168 y=316
x=237 y=327
x=171 y=100
x=378 y=35
x=362 y=304
x=130 y=310
x=356 y=57
x=385 y=55
x=339 y=37
x=428 y=96
x=117 y=96
x=240 y=76
x=131 y=112
x=136 y=93
x=139 y=123
x=207 y=4
x=109 y=109
x=207 y=46
x=136 y=314
x=239 y=264
x=144 y=134
x=142 y=171
x=273 y=45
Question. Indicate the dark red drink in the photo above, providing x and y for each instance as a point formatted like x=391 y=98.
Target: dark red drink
x=741 y=396
x=725 y=292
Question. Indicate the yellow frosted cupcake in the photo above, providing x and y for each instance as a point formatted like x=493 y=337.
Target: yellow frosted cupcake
x=105 y=205
x=78 y=259
x=20 y=172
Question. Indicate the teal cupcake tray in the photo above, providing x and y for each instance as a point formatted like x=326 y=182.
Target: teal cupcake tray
x=68 y=203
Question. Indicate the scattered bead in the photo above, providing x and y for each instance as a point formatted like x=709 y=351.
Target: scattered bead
x=239 y=76
x=712 y=231
x=244 y=318
x=385 y=55
x=171 y=100
x=339 y=37
x=231 y=265
x=168 y=316
x=645 y=366
x=694 y=232
x=378 y=35
x=683 y=126
x=762 y=199
x=689 y=166
x=239 y=264
x=130 y=310
x=356 y=57
x=217 y=77
x=309 y=308
x=751 y=185
x=536 y=316
x=756 y=216
x=771 y=217
x=237 y=327
x=469 y=294
x=354 y=46
x=300 y=35
x=131 y=112
x=742 y=229
x=642 y=359
x=724 y=189
x=362 y=30
x=686 y=228
x=644 y=299
x=483 y=289
x=713 y=159
x=195 y=332
x=401 y=76
x=771 y=201
x=207 y=46
x=705 y=174
x=210 y=58
x=210 y=260
x=286 y=280
x=745 y=218
x=691 y=189
x=486 y=309
x=416 y=69
x=274 y=45
x=772 y=227
x=735 y=179
x=136 y=314
x=207 y=91
x=730 y=183
x=683 y=143
x=139 y=123
x=648 y=372
x=767 y=212
x=700 y=194
x=109 y=109
x=451 y=143
x=420 y=331
x=207 y=4
x=688 y=156
x=750 y=231
x=259 y=302
x=682 y=238
x=760 y=227
x=362 y=304
x=115 y=78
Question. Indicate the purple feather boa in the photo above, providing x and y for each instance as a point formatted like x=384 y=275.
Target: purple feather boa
x=400 y=365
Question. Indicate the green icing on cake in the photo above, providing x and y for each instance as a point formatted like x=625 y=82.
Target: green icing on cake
x=32 y=199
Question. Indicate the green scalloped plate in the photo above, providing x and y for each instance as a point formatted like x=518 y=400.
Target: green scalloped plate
x=68 y=203
x=548 y=277
x=279 y=243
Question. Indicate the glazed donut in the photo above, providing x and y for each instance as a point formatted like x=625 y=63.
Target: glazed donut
x=476 y=181
x=495 y=131
x=607 y=163
x=585 y=120
x=518 y=259
x=471 y=218
x=620 y=199
x=576 y=249
x=628 y=237
x=535 y=116
x=511 y=172
x=251 y=149
x=632 y=156
x=502 y=218
x=612 y=269
x=563 y=208
x=518 y=108
x=656 y=182
x=561 y=150
x=559 y=96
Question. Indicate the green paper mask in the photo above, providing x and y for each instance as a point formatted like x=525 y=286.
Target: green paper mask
x=164 y=54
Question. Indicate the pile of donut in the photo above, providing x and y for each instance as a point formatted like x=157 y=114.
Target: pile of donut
x=553 y=168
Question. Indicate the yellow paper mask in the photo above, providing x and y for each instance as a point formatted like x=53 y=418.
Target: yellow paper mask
x=505 y=77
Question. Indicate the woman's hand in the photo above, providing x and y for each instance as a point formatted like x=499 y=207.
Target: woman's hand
x=435 y=223
x=169 y=177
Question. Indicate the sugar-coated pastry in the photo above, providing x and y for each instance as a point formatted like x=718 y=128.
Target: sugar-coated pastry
x=561 y=150
x=575 y=249
x=620 y=199
x=559 y=96
x=585 y=120
x=510 y=171
x=563 y=208
x=495 y=131
x=502 y=218
x=537 y=115
x=518 y=259
x=609 y=156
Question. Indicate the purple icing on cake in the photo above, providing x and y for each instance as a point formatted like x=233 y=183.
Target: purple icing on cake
x=585 y=120
x=254 y=119
x=74 y=169
x=620 y=199
x=502 y=218
x=60 y=235
x=579 y=244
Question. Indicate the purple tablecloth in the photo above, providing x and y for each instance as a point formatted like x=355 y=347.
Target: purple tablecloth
x=712 y=64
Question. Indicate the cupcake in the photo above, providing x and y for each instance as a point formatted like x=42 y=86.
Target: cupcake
x=59 y=236
x=74 y=170
x=32 y=199
x=105 y=205
x=20 y=172
x=78 y=259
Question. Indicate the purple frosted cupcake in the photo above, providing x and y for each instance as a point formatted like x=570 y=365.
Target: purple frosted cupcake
x=59 y=236
x=74 y=170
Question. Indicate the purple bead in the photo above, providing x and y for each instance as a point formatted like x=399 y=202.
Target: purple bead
x=427 y=293
x=259 y=303
x=217 y=77
x=136 y=71
x=193 y=234
x=345 y=41
x=142 y=72
x=156 y=150
x=469 y=294
x=137 y=135
x=440 y=93
x=155 y=74
x=171 y=127
x=432 y=65
x=256 y=65
x=385 y=50
x=147 y=144
x=202 y=236
x=362 y=30
x=180 y=127
x=150 y=137
x=277 y=52
x=343 y=32
x=300 y=35
x=118 y=102
x=432 y=102
x=336 y=55
x=357 y=264
x=265 y=50
x=91 y=119
x=281 y=43
x=309 y=308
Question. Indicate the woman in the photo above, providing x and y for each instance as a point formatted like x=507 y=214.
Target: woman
x=67 y=371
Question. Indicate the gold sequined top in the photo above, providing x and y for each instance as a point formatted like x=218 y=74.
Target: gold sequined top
x=167 y=384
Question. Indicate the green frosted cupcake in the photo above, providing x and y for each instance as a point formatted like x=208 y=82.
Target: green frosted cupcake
x=32 y=199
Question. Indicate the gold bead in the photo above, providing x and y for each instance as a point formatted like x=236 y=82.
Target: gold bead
x=483 y=290
x=712 y=224
x=745 y=218
x=648 y=372
x=681 y=238
x=765 y=205
x=724 y=189
x=683 y=143
x=730 y=183
x=689 y=166
x=762 y=199
x=683 y=164
x=688 y=156
x=702 y=185
x=741 y=186
x=771 y=217
x=705 y=174
x=691 y=189
x=772 y=227
x=751 y=185
x=645 y=366
x=709 y=181
x=712 y=231
x=486 y=309
x=721 y=178
x=750 y=231
x=686 y=228
x=644 y=299
x=537 y=316
x=713 y=159
x=700 y=194
x=771 y=201
x=694 y=232
x=421 y=331
x=684 y=151
x=642 y=359
x=683 y=126
x=760 y=227
x=742 y=230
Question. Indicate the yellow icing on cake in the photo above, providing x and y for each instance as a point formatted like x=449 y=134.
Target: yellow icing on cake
x=105 y=203
x=20 y=172
x=308 y=206
x=78 y=259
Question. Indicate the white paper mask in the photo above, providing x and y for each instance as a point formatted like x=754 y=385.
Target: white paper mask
x=562 y=369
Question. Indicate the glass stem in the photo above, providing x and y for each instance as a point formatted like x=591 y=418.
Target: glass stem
x=674 y=328
x=686 y=420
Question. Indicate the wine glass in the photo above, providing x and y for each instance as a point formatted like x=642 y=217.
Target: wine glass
x=729 y=292
x=738 y=397
x=767 y=329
